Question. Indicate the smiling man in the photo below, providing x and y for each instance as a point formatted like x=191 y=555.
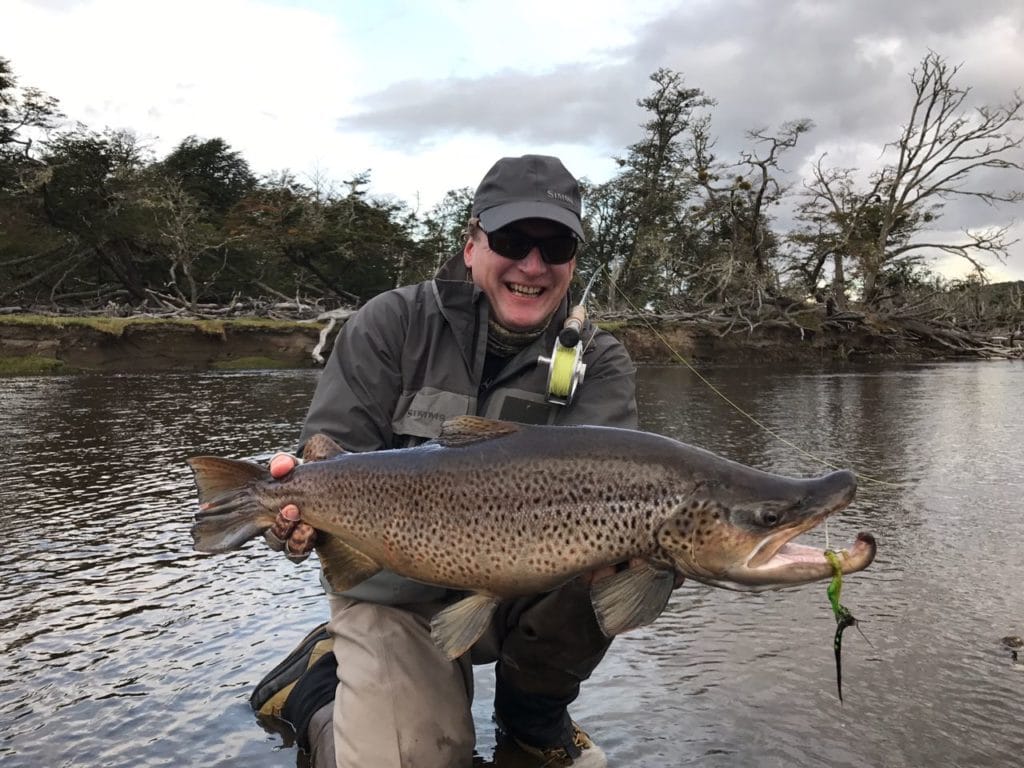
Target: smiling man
x=527 y=213
x=466 y=342
x=531 y=275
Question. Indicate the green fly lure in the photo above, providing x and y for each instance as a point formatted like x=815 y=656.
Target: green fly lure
x=844 y=618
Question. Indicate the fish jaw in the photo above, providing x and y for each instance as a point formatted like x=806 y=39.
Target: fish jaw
x=738 y=535
x=793 y=564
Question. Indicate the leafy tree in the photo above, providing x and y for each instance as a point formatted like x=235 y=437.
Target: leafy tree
x=443 y=233
x=653 y=188
x=25 y=238
x=25 y=113
x=348 y=245
x=638 y=214
x=215 y=175
x=90 y=194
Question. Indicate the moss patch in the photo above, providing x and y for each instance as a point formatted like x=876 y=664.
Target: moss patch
x=611 y=325
x=30 y=366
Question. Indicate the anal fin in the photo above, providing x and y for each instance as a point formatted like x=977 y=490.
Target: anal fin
x=458 y=626
x=631 y=598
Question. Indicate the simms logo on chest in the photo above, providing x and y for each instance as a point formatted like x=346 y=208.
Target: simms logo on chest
x=422 y=415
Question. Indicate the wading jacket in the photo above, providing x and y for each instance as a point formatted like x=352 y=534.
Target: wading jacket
x=414 y=356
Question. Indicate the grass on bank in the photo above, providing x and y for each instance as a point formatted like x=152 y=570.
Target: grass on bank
x=115 y=326
x=30 y=365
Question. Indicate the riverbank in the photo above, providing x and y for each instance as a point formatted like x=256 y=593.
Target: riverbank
x=40 y=344
x=37 y=344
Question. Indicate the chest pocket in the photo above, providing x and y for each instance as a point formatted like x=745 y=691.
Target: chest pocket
x=420 y=414
x=520 y=406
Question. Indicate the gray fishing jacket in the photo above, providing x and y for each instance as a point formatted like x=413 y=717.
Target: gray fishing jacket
x=414 y=356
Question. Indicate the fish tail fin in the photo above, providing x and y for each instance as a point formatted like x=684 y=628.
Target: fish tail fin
x=229 y=512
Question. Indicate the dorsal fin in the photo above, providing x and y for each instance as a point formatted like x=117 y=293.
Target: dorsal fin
x=466 y=430
x=320 y=447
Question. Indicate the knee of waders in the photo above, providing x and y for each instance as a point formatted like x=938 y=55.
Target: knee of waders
x=297 y=687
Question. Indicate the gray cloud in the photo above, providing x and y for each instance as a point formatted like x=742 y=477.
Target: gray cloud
x=844 y=65
x=568 y=105
x=764 y=63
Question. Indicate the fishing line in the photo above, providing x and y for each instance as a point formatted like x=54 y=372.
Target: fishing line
x=750 y=417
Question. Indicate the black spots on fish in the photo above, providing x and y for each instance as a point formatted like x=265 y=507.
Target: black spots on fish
x=689 y=515
x=540 y=564
x=613 y=497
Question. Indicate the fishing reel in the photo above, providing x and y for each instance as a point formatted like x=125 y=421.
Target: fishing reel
x=565 y=366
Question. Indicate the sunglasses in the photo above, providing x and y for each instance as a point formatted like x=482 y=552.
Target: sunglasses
x=515 y=245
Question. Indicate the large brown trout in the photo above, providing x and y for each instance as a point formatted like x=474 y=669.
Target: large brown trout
x=504 y=510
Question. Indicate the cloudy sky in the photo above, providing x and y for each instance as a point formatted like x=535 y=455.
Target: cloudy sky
x=428 y=94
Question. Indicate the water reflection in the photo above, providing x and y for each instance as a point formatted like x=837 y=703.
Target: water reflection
x=123 y=647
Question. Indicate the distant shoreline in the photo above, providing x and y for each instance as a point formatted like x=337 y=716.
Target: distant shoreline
x=37 y=344
x=41 y=344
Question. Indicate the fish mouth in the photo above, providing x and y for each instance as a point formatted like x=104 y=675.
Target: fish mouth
x=778 y=561
x=791 y=563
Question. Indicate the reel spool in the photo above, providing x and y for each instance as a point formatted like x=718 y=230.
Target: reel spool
x=565 y=366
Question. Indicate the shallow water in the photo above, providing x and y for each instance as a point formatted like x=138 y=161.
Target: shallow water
x=123 y=647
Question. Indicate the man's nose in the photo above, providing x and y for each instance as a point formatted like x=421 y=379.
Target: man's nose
x=533 y=263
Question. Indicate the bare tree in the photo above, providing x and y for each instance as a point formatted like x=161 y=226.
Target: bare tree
x=939 y=154
x=737 y=198
x=186 y=238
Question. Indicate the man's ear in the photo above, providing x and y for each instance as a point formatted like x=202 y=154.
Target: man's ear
x=467 y=252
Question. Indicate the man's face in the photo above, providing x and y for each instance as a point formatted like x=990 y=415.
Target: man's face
x=524 y=293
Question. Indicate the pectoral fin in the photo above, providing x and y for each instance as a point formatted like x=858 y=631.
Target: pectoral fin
x=458 y=626
x=343 y=566
x=631 y=598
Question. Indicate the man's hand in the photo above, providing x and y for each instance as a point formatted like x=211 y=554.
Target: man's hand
x=289 y=534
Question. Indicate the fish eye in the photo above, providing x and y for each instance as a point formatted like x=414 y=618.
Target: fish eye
x=768 y=517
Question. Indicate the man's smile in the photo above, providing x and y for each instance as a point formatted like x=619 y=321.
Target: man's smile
x=524 y=290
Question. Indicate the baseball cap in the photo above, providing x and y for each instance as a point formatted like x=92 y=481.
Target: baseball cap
x=528 y=187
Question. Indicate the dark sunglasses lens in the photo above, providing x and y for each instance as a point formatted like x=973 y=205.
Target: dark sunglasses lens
x=558 y=250
x=511 y=245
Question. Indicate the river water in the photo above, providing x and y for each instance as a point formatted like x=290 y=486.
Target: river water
x=122 y=647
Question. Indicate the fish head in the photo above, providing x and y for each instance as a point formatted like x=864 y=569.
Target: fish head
x=736 y=531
